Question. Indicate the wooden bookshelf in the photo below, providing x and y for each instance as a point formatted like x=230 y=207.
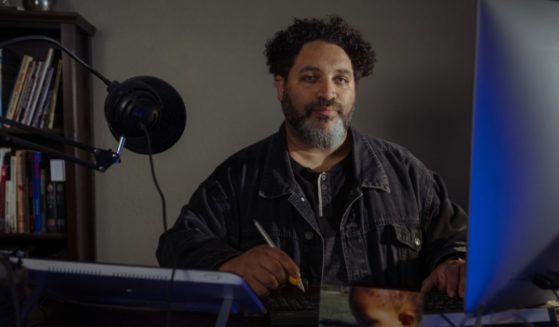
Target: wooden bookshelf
x=74 y=122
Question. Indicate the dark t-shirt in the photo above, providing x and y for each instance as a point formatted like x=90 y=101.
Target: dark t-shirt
x=327 y=193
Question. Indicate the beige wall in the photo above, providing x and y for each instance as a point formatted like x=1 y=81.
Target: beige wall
x=420 y=94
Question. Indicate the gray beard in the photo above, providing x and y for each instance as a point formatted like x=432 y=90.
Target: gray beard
x=321 y=138
x=324 y=139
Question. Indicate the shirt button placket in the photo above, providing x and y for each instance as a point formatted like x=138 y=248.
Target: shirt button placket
x=309 y=235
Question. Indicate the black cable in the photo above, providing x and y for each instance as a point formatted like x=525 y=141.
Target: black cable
x=447 y=320
x=154 y=177
x=61 y=47
x=162 y=196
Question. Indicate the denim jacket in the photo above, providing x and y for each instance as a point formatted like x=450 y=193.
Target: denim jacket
x=398 y=223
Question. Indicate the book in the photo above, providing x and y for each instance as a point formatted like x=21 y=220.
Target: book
x=49 y=117
x=26 y=91
x=60 y=188
x=26 y=108
x=41 y=76
x=43 y=178
x=36 y=187
x=11 y=196
x=50 y=199
x=43 y=98
x=58 y=178
x=22 y=222
x=28 y=191
x=18 y=85
x=9 y=62
x=4 y=153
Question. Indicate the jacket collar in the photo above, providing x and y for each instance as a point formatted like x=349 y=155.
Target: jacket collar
x=278 y=179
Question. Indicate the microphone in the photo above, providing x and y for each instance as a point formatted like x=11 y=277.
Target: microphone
x=138 y=105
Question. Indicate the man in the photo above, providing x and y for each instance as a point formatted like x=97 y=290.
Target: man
x=375 y=307
x=342 y=208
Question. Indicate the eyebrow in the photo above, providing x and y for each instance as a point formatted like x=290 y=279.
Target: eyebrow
x=315 y=69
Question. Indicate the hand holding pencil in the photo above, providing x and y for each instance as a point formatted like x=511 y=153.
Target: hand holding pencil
x=293 y=280
x=265 y=268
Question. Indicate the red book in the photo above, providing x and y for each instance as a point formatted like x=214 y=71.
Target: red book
x=3 y=176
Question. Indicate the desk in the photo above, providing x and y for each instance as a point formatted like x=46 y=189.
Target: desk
x=536 y=317
x=55 y=314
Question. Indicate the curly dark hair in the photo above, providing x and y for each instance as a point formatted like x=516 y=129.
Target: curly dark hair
x=282 y=49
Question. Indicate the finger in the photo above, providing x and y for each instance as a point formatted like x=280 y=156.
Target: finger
x=440 y=279
x=262 y=258
x=428 y=284
x=288 y=264
x=275 y=268
x=266 y=279
x=462 y=279
x=257 y=287
x=452 y=278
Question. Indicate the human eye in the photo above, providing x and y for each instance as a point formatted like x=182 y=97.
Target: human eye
x=308 y=78
x=341 y=80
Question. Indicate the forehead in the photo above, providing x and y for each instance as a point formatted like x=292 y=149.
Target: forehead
x=323 y=56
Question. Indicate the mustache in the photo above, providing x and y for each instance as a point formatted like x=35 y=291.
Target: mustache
x=320 y=103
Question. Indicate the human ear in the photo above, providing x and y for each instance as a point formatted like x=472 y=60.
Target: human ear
x=279 y=83
x=407 y=319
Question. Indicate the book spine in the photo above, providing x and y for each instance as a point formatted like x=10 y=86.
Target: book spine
x=60 y=206
x=4 y=153
x=21 y=194
x=3 y=176
x=51 y=207
x=32 y=94
x=2 y=83
x=18 y=86
x=30 y=217
x=38 y=219
x=42 y=74
x=26 y=91
x=43 y=98
x=52 y=104
x=58 y=177
x=11 y=196
x=43 y=178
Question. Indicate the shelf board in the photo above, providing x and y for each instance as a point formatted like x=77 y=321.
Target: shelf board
x=15 y=131
x=45 y=19
x=32 y=236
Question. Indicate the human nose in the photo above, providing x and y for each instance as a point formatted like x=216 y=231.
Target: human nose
x=327 y=90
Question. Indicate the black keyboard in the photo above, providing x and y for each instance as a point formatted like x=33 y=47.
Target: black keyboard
x=289 y=303
x=440 y=302
x=293 y=307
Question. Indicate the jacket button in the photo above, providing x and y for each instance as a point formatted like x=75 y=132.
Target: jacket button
x=309 y=236
x=417 y=241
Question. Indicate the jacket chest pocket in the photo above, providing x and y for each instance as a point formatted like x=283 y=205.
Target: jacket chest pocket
x=406 y=237
x=393 y=251
x=390 y=244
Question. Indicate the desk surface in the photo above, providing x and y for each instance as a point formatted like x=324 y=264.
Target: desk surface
x=51 y=313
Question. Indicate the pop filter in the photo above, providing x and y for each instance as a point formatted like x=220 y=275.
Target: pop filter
x=145 y=101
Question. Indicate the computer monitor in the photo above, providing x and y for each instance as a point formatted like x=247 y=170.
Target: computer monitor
x=514 y=186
